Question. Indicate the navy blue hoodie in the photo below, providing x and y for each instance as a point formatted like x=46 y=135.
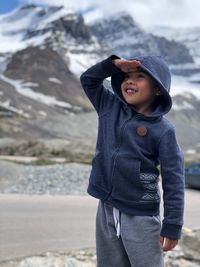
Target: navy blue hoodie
x=131 y=146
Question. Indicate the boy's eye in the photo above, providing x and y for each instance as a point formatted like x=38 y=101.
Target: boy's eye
x=141 y=76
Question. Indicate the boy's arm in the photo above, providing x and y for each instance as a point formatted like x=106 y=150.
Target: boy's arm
x=173 y=183
x=92 y=83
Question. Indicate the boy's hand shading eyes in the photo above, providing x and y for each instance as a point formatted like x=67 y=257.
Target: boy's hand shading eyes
x=126 y=65
x=168 y=243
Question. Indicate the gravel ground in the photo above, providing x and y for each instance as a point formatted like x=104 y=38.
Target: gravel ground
x=87 y=258
x=62 y=178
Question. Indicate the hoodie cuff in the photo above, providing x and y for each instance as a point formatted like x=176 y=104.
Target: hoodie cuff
x=171 y=231
x=109 y=67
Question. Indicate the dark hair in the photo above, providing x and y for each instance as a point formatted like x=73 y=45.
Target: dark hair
x=146 y=72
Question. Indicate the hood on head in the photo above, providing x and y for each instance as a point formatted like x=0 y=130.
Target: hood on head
x=158 y=69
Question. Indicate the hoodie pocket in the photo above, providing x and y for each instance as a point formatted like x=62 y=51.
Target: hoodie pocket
x=98 y=171
x=126 y=178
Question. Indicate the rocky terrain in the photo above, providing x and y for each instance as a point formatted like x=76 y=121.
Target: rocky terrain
x=185 y=254
x=62 y=179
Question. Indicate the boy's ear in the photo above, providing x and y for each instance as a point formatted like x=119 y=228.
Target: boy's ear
x=157 y=88
x=158 y=92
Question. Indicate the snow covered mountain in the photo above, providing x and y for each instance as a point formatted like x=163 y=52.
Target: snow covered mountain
x=33 y=38
x=58 y=27
x=127 y=38
x=43 y=50
x=190 y=37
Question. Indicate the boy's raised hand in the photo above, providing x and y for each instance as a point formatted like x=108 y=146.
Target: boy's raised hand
x=126 y=65
x=168 y=243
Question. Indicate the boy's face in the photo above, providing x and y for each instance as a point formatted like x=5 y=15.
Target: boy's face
x=139 y=88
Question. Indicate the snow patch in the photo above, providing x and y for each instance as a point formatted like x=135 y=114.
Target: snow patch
x=24 y=89
x=195 y=78
x=191 y=151
x=54 y=80
x=14 y=44
x=6 y=104
x=4 y=62
x=16 y=24
x=181 y=85
x=62 y=13
x=78 y=63
x=30 y=84
x=42 y=113
x=183 y=105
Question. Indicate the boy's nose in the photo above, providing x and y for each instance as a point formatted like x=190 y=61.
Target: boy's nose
x=130 y=81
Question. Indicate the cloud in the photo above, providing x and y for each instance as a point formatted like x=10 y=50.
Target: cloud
x=175 y=13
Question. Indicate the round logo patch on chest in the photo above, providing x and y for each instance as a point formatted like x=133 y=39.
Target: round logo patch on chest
x=141 y=130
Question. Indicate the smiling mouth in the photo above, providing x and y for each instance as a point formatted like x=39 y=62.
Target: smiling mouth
x=131 y=91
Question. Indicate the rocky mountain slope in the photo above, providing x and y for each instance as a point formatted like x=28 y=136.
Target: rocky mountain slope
x=127 y=38
x=190 y=37
x=43 y=51
x=41 y=97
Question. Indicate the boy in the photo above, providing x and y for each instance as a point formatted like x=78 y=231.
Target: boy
x=133 y=139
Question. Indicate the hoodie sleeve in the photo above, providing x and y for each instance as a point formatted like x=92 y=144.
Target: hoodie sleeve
x=92 y=83
x=173 y=183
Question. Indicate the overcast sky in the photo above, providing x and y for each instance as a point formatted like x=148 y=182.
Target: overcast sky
x=176 y=13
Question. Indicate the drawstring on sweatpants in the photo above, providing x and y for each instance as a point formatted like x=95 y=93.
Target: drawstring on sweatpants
x=117 y=215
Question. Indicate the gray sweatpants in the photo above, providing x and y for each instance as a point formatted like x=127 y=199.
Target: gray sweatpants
x=124 y=240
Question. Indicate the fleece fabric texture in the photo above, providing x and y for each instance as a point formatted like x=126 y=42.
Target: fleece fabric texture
x=131 y=146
